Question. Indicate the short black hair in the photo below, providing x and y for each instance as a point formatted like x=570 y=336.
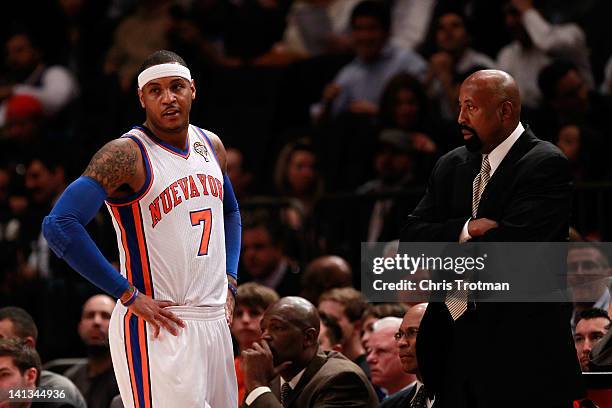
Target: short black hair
x=550 y=75
x=161 y=57
x=24 y=356
x=594 y=313
x=373 y=8
x=22 y=321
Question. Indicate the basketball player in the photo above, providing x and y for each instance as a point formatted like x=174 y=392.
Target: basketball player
x=178 y=230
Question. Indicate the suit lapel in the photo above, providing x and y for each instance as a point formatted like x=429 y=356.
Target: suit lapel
x=464 y=175
x=504 y=173
x=315 y=365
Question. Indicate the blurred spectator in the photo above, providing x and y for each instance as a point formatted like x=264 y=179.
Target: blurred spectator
x=406 y=338
x=330 y=334
x=28 y=74
x=404 y=105
x=238 y=173
x=325 y=273
x=20 y=367
x=567 y=99
x=297 y=178
x=252 y=27
x=264 y=259
x=536 y=42
x=583 y=149
x=593 y=324
x=394 y=163
x=385 y=366
x=252 y=301
x=151 y=20
x=347 y=305
x=588 y=274
x=376 y=312
x=410 y=21
x=17 y=323
x=314 y=27
x=358 y=86
x=452 y=62
x=96 y=377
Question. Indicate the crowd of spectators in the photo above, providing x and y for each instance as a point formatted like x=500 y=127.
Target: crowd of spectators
x=333 y=113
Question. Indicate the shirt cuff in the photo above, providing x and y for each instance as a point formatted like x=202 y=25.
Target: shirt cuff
x=253 y=395
x=465 y=235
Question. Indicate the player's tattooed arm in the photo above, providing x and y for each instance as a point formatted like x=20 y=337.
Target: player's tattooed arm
x=115 y=164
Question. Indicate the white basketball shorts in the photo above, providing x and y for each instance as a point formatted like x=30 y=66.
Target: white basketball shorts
x=193 y=369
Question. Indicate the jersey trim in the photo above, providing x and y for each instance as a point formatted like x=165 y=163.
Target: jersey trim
x=184 y=153
x=133 y=242
x=150 y=176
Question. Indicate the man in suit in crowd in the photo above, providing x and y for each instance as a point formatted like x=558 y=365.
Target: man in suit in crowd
x=406 y=340
x=504 y=185
x=287 y=369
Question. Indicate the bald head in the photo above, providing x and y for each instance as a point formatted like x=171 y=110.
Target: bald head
x=490 y=109
x=500 y=86
x=297 y=311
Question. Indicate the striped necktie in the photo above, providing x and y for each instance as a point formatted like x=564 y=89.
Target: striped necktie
x=479 y=184
x=456 y=300
x=285 y=393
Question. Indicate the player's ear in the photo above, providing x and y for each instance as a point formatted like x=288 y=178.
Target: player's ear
x=141 y=98
x=193 y=89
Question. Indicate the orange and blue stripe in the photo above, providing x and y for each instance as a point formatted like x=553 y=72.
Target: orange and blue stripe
x=138 y=272
x=137 y=352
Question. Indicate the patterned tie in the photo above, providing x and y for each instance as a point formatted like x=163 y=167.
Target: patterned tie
x=479 y=184
x=420 y=399
x=285 y=393
x=456 y=300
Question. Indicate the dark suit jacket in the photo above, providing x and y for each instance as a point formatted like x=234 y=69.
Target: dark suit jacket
x=400 y=399
x=529 y=195
x=329 y=380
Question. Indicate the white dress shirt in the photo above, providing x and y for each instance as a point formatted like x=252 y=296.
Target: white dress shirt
x=253 y=395
x=495 y=158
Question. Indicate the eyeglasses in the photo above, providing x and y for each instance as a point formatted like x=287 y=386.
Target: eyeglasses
x=408 y=334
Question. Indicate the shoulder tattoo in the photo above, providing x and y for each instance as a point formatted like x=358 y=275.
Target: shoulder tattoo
x=114 y=164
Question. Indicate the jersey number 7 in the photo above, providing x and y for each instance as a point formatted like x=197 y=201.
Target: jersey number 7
x=198 y=217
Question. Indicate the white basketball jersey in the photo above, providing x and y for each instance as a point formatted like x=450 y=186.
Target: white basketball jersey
x=170 y=234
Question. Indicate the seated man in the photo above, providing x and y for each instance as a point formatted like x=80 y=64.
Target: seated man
x=406 y=339
x=252 y=300
x=20 y=367
x=286 y=369
x=95 y=378
x=17 y=323
x=592 y=326
x=385 y=368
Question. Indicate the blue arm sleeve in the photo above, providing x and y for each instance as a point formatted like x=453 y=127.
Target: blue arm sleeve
x=64 y=229
x=233 y=228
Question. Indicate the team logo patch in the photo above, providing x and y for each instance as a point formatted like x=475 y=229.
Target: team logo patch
x=201 y=150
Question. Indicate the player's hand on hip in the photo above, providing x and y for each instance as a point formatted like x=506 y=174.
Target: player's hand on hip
x=153 y=312
x=479 y=226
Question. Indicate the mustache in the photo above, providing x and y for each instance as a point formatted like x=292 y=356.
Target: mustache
x=469 y=129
